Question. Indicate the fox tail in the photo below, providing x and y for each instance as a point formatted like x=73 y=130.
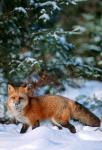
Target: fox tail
x=86 y=117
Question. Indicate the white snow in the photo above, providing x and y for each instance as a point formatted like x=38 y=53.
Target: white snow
x=50 y=3
x=89 y=88
x=20 y=9
x=45 y=17
x=47 y=137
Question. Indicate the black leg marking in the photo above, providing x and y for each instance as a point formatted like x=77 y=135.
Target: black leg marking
x=37 y=124
x=70 y=127
x=24 y=128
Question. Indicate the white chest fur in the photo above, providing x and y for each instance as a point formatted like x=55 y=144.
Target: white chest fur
x=18 y=114
x=21 y=118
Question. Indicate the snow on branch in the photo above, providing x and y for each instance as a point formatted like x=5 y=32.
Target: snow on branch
x=50 y=3
x=20 y=9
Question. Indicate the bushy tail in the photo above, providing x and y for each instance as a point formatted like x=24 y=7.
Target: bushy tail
x=85 y=116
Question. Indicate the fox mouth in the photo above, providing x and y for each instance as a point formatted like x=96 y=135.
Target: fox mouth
x=18 y=106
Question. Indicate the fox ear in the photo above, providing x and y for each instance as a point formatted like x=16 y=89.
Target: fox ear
x=10 y=89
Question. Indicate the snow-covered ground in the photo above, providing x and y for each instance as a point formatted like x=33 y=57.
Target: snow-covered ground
x=47 y=137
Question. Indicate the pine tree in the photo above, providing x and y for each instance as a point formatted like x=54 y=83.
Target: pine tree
x=31 y=40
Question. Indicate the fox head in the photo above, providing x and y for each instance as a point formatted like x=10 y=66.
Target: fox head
x=17 y=98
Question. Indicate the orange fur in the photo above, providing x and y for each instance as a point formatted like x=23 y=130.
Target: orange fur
x=56 y=108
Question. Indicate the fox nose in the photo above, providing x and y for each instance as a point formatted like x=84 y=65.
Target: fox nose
x=17 y=102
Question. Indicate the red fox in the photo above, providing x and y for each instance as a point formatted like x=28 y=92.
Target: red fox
x=58 y=109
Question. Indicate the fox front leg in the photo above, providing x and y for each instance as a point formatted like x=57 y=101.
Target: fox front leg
x=36 y=124
x=24 y=128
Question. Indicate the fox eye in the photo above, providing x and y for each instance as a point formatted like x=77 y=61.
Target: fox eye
x=20 y=98
x=13 y=97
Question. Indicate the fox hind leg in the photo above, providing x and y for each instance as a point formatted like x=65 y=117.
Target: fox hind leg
x=65 y=124
x=70 y=127
x=64 y=120
x=55 y=123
